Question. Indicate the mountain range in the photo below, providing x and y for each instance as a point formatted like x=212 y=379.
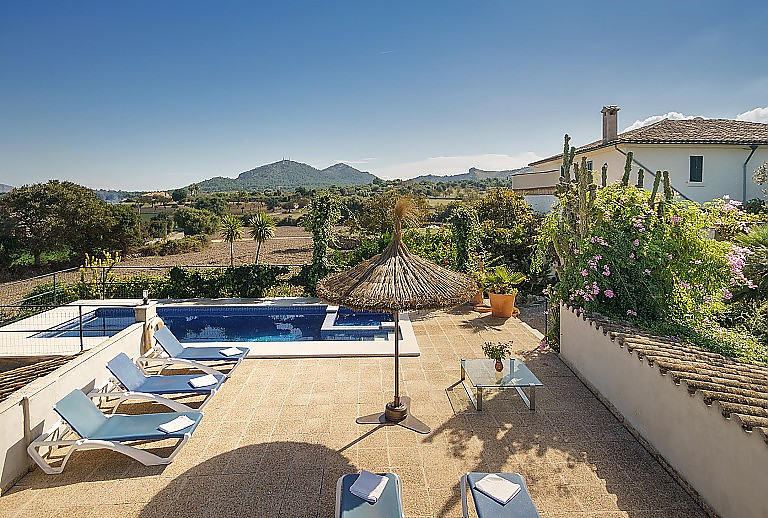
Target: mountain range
x=287 y=174
x=5 y=188
x=474 y=174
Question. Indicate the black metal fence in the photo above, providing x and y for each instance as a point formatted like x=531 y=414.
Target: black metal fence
x=35 y=330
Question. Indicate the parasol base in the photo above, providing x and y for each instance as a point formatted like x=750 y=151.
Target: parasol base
x=396 y=415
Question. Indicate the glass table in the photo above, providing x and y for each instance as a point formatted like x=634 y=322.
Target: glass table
x=482 y=374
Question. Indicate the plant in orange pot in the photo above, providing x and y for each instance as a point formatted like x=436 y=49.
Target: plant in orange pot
x=502 y=290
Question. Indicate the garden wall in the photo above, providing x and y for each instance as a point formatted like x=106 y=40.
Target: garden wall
x=23 y=420
x=724 y=460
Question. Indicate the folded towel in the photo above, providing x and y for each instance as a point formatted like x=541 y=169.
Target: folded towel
x=368 y=486
x=203 y=381
x=500 y=489
x=230 y=351
x=176 y=425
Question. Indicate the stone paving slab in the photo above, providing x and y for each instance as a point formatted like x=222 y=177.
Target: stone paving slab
x=278 y=435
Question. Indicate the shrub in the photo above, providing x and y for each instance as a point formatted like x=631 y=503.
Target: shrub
x=176 y=246
x=196 y=221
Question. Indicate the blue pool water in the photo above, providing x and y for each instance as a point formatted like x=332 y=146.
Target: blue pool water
x=267 y=323
x=99 y=322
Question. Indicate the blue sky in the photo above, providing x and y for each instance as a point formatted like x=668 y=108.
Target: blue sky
x=147 y=95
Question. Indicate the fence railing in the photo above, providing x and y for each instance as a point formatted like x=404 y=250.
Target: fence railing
x=49 y=289
x=34 y=330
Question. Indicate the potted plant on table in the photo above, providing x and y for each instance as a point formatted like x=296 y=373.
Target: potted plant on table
x=501 y=284
x=497 y=351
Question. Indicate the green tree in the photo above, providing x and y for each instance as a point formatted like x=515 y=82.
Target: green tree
x=214 y=204
x=180 y=195
x=262 y=230
x=196 y=221
x=231 y=231
x=508 y=227
x=377 y=216
x=56 y=216
x=125 y=231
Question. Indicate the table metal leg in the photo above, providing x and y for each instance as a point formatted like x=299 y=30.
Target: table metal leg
x=479 y=399
x=530 y=399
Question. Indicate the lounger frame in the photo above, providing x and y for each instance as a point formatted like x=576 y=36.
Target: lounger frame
x=55 y=437
x=114 y=389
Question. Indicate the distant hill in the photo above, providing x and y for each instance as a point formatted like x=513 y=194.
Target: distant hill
x=287 y=174
x=474 y=174
x=5 y=188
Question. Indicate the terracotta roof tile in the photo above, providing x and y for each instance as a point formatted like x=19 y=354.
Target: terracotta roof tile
x=14 y=379
x=688 y=131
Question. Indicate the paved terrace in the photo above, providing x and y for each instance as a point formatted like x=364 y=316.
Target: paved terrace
x=278 y=435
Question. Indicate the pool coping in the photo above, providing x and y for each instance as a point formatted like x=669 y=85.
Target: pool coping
x=409 y=346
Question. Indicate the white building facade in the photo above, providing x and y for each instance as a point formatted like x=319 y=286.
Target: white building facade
x=706 y=158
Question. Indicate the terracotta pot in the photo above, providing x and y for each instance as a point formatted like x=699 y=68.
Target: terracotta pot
x=503 y=305
x=499 y=366
x=478 y=299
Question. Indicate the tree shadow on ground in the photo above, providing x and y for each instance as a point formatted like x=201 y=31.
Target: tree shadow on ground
x=282 y=478
x=572 y=452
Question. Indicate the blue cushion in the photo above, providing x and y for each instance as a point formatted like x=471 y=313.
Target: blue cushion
x=210 y=354
x=388 y=506
x=521 y=505
x=168 y=341
x=126 y=372
x=177 y=384
x=80 y=413
x=143 y=427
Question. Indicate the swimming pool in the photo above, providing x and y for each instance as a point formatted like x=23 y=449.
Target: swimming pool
x=99 y=322
x=255 y=323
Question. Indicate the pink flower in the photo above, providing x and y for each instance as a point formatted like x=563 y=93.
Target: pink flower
x=608 y=293
x=584 y=272
x=675 y=219
x=647 y=271
x=727 y=295
x=636 y=242
x=632 y=255
x=630 y=312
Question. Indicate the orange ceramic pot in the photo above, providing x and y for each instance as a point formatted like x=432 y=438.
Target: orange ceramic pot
x=503 y=305
x=478 y=299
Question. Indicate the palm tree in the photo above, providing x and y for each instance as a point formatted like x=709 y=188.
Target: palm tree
x=262 y=230
x=231 y=231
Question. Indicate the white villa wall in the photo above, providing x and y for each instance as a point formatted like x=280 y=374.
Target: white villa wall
x=84 y=372
x=722 y=168
x=724 y=464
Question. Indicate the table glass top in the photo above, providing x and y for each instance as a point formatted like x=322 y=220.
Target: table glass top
x=482 y=373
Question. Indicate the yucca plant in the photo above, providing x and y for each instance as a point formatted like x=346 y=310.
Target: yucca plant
x=262 y=230
x=502 y=280
x=231 y=231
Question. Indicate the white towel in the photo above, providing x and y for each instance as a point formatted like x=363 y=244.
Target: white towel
x=230 y=351
x=368 y=486
x=500 y=489
x=203 y=381
x=175 y=425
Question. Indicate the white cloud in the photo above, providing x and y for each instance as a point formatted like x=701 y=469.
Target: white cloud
x=756 y=115
x=448 y=165
x=657 y=118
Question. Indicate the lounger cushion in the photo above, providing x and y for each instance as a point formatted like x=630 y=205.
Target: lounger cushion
x=175 y=349
x=521 y=506
x=143 y=427
x=177 y=384
x=388 y=506
x=89 y=422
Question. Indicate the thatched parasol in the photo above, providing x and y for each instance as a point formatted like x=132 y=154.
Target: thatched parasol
x=397 y=280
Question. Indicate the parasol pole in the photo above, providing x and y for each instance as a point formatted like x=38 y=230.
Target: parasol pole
x=397 y=359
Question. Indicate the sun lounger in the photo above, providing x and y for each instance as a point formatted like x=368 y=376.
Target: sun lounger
x=389 y=505
x=113 y=432
x=178 y=354
x=521 y=505
x=130 y=379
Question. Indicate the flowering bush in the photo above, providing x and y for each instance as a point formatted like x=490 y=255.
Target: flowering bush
x=619 y=252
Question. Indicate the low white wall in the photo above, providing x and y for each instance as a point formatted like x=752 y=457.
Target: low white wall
x=84 y=372
x=725 y=465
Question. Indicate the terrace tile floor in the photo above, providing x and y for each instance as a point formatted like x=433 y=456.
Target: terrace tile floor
x=279 y=434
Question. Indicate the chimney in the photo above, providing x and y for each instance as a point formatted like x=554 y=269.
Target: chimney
x=610 y=123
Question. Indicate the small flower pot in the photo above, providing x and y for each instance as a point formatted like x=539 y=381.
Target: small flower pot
x=499 y=366
x=503 y=305
x=478 y=299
